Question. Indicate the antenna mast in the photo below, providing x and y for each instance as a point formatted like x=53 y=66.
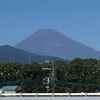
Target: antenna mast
x=48 y=78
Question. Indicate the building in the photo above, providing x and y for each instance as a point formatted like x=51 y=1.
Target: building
x=12 y=89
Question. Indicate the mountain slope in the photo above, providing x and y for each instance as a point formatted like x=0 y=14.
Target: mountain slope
x=10 y=54
x=52 y=43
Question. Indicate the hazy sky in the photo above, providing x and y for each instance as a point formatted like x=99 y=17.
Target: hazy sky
x=77 y=19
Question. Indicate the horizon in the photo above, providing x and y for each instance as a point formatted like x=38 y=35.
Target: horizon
x=76 y=19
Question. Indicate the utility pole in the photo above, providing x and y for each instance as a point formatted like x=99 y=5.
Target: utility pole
x=13 y=58
x=46 y=81
x=52 y=77
x=29 y=56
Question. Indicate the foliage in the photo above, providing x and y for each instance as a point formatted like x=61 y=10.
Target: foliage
x=80 y=75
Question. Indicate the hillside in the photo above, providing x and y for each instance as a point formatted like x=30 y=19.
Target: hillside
x=52 y=43
x=10 y=54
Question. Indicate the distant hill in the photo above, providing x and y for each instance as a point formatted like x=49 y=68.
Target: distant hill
x=52 y=43
x=10 y=54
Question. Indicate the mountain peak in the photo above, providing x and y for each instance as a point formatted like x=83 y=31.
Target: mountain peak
x=6 y=46
x=46 y=30
x=49 y=32
x=52 y=43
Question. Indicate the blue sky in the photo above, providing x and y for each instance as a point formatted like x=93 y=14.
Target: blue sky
x=77 y=19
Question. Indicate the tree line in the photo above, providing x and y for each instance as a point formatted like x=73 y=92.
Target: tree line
x=78 y=75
